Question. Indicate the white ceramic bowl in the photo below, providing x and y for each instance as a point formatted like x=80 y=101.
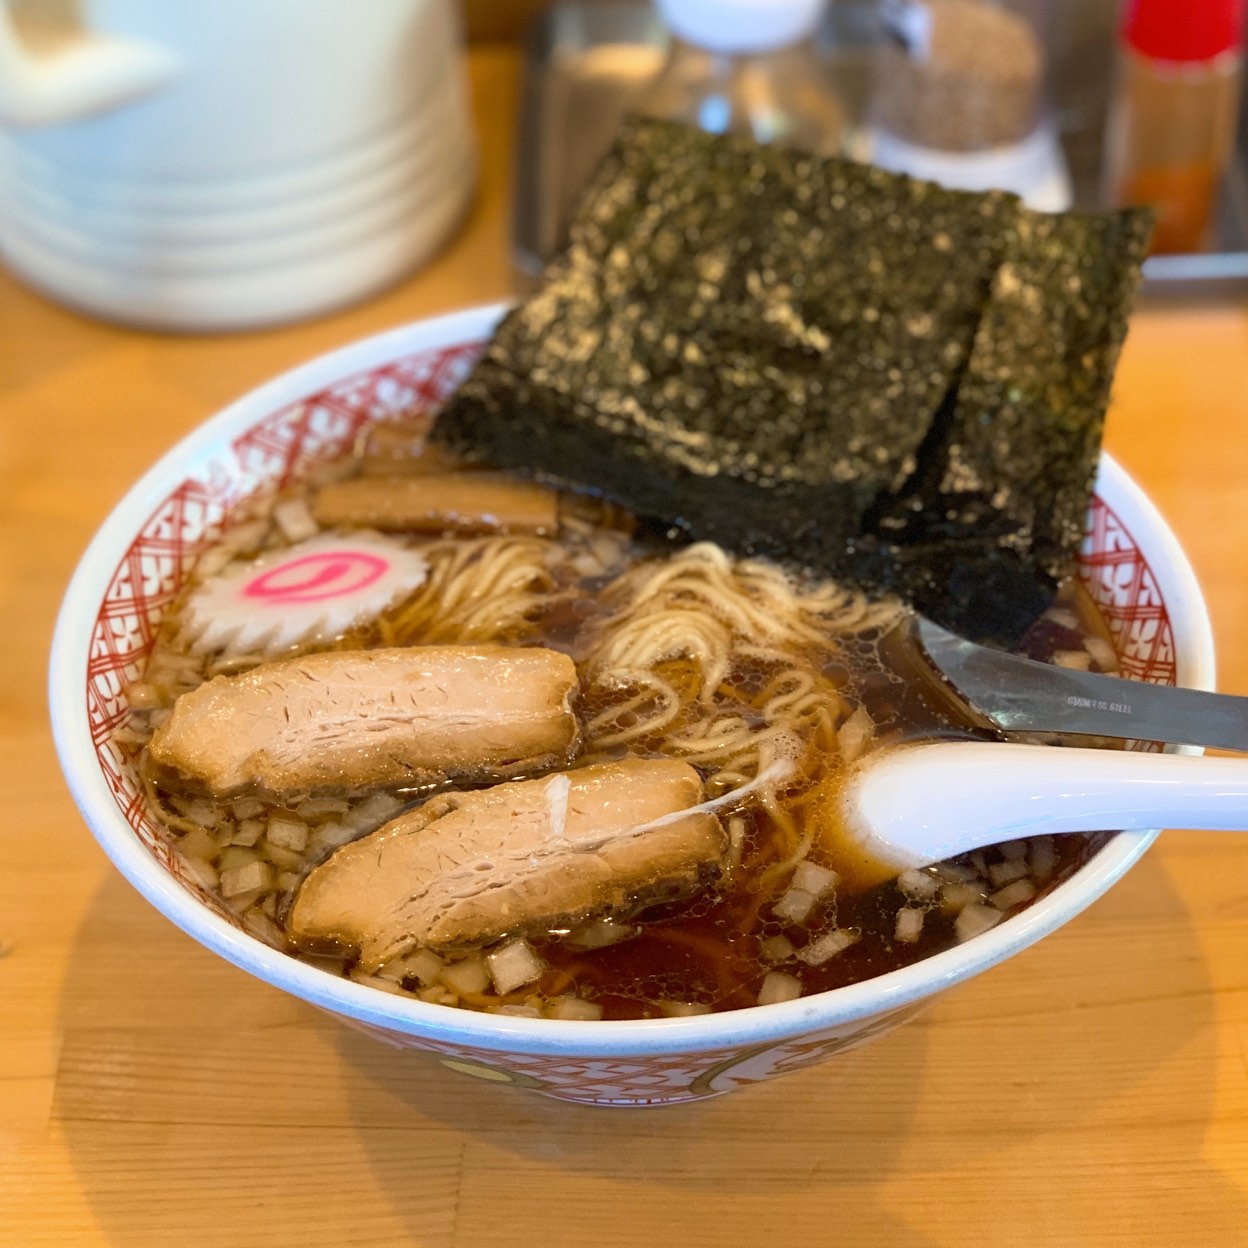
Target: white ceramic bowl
x=1131 y=563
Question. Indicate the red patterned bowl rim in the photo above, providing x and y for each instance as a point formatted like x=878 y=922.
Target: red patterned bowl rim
x=141 y=555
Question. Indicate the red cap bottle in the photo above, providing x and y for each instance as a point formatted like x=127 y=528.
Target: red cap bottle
x=1172 y=124
x=1183 y=30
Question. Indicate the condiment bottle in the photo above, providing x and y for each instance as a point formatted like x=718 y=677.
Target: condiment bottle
x=747 y=67
x=960 y=98
x=960 y=75
x=1172 y=121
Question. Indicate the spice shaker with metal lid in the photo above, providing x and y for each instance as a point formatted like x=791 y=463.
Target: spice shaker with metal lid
x=960 y=98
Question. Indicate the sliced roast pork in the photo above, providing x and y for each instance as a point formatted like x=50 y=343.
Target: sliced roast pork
x=355 y=720
x=457 y=502
x=469 y=868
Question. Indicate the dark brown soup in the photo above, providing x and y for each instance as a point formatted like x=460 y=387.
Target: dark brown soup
x=681 y=652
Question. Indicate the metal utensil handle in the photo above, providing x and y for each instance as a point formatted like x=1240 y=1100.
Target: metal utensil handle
x=1021 y=695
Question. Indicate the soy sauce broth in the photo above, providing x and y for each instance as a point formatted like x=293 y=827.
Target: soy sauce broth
x=717 y=950
x=711 y=953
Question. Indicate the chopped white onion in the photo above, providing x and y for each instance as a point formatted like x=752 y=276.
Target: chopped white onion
x=955 y=872
x=424 y=965
x=375 y=981
x=954 y=896
x=259 y=924
x=777 y=986
x=909 y=926
x=169 y=667
x=318 y=807
x=607 y=548
x=144 y=697
x=323 y=962
x=1013 y=895
x=437 y=995
x=810 y=877
x=794 y=906
x=518 y=1011
x=287 y=833
x=288 y=881
x=128 y=737
x=826 y=947
x=212 y=561
x=683 y=1009
x=202 y=871
x=371 y=813
x=244 y=539
x=237 y=856
x=202 y=812
x=468 y=975
x=600 y=934
x=1079 y=660
x=573 y=1009
x=1005 y=872
x=974 y=919
x=283 y=859
x=512 y=965
x=250 y=877
x=248 y=832
x=295 y=520
x=920 y=885
x=852 y=736
x=776 y=948
x=334 y=835
x=1103 y=654
x=198 y=843
x=1043 y=858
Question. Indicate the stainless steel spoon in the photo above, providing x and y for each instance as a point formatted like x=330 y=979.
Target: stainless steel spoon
x=1021 y=695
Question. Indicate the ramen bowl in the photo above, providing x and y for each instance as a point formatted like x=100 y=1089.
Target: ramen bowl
x=1131 y=565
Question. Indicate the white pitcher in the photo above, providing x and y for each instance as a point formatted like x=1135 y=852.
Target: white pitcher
x=218 y=164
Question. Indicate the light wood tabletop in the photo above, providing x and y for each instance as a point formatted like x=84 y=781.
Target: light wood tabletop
x=1092 y=1091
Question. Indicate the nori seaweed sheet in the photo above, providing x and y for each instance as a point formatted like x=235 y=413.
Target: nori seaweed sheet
x=821 y=362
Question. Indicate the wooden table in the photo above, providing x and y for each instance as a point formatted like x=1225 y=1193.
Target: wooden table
x=1094 y=1091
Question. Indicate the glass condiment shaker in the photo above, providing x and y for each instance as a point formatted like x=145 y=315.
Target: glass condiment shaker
x=960 y=97
x=1172 y=119
x=747 y=67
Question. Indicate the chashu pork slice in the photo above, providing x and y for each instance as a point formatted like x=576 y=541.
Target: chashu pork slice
x=357 y=720
x=468 y=868
x=456 y=502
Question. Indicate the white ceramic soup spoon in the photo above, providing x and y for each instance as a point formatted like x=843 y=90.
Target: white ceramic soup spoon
x=918 y=804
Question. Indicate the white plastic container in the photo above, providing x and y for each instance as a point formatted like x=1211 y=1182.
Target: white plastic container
x=222 y=164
